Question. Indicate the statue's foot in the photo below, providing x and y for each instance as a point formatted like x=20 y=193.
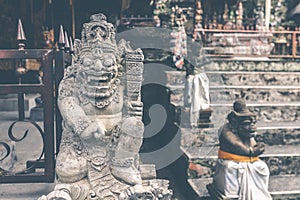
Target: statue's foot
x=138 y=192
x=125 y=170
x=55 y=195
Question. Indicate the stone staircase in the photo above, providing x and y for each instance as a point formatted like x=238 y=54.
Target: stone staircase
x=272 y=91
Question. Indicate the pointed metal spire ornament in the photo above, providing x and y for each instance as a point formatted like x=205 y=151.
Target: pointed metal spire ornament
x=21 y=34
x=71 y=45
x=61 y=39
x=21 y=38
x=67 y=44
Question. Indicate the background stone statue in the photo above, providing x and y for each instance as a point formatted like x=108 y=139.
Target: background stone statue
x=240 y=174
x=99 y=99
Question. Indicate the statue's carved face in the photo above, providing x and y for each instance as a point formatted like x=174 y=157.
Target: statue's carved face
x=98 y=74
x=247 y=126
x=97 y=63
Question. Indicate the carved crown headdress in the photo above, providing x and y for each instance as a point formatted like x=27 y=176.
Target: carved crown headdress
x=97 y=21
x=97 y=37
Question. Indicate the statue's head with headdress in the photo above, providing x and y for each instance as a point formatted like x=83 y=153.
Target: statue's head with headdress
x=242 y=119
x=96 y=60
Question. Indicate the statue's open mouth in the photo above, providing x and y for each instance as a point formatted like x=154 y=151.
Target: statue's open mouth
x=98 y=84
x=94 y=78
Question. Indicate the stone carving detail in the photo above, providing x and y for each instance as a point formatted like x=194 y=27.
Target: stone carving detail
x=262 y=79
x=102 y=127
x=285 y=165
x=8 y=156
x=256 y=95
x=278 y=113
x=279 y=137
x=241 y=43
x=198 y=137
x=208 y=137
x=265 y=114
x=254 y=66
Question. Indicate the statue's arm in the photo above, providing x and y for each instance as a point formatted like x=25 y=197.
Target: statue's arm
x=73 y=114
x=133 y=68
x=134 y=109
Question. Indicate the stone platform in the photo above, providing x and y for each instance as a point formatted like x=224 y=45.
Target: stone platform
x=280 y=187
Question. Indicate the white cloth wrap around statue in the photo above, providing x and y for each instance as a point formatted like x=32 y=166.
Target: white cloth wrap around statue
x=242 y=180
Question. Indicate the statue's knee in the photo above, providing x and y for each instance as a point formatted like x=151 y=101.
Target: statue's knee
x=133 y=126
x=70 y=167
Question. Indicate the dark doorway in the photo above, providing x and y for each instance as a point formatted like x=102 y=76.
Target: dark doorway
x=161 y=136
x=157 y=117
x=158 y=113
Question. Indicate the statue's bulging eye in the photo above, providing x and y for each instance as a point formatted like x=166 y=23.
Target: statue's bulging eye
x=87 y=62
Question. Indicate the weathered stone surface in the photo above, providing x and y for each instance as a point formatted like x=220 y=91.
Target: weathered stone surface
x=175 y=81
x=267 y=66
x=242 y=44
x=254 y=94
x=254 y=78
x=276 y=113
x=209 y=136
x=198 y=137
x=8 y=157
x=279 y=136
x=283 y=165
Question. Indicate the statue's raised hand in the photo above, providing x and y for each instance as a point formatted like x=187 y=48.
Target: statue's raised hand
x=135 y=108
x=258 y=149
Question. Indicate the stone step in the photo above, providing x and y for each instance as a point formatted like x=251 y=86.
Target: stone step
x=259 y=94
x=279 y=135
x=25 y=191
x=280 y=187
x=241 y=78
x=252 y=104
x=269 y=65
x=193 y=152
x=239 y=86
x=266 y=114
x=281 y=160
x=269 y=135
x=253 y=78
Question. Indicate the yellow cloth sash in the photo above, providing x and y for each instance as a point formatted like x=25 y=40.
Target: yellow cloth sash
x=230 y=156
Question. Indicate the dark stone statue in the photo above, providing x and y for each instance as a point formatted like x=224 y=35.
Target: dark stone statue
x=240 y=174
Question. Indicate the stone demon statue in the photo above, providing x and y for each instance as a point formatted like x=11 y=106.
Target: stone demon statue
x=240 y=174
x=99 y=99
